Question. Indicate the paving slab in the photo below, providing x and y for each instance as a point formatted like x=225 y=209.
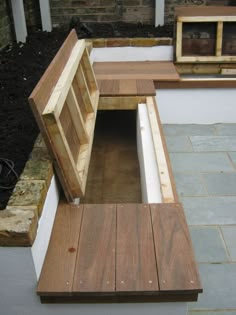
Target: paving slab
x=178 y=144
x=219 y=287
x=229 y=233
x=226 y=129
x=221 y=184
x=189 y=185
x=208 y=244
x=232 y=156
x=212 y=313
x=210 y=210
x=201 y=162
x=188 y=130
x=213 y=143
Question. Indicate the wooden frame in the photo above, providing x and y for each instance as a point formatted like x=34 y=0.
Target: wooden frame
x=204 y=15
x=74 y=98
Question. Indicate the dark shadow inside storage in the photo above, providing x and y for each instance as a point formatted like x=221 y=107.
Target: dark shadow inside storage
x=199 y=39
x=114 y=175
x=229 y=38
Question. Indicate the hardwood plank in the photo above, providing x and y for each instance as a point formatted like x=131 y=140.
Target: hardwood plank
x=166 y=181
x=145 y=87
x=109 y=87
x=205 y=11
x=148 y=70
x=195 y=84
x=128 y=87
x=95 y=265
x=176 y=264
x=135 y=258
x=42 y=92
x=58 y=269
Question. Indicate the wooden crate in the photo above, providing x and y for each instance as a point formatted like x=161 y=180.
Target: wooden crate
x=208 y=47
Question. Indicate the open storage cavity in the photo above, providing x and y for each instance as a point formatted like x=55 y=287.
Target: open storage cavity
x=114 y=175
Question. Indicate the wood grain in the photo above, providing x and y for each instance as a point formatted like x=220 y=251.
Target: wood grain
x=174 y=253
x=95 y=266
x=58 y=269
x=148 y=70
x=136 y=263
x=42 y=92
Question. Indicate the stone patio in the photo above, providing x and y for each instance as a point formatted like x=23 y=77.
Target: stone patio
x=204 y=163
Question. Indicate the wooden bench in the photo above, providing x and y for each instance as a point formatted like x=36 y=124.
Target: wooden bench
x=106 y=252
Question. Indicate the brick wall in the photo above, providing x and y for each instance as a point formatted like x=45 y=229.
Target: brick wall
x=171 y=4
x=102 y=10
x=32 y=13
x=5 y=25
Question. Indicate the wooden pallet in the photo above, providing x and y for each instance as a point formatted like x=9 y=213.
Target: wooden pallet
x=119 y=253
x=69 y=117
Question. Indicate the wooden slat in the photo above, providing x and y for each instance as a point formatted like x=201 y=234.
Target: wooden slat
x=219 y=38
x=84 y=90
x=128 y=87
x=95 y=266
x=58 y=269
x=119 y=102
x=109 y=87
x=145 y=87
x=135 y=257
x=60 y=92
x=42 y=92
x=89 y=73
x=179 y=30
x=175 y=259
x=147 y=70
x=65 y=158
x=77 y=116
x=197 y=83
x=167 y=189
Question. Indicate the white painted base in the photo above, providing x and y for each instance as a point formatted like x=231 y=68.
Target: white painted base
x=196 y=106
x=150 y=183
x=132 y=53
x=46 y=221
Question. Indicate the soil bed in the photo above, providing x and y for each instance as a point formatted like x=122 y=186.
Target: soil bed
x=21 y=67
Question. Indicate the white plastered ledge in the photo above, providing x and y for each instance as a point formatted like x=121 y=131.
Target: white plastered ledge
x=196 y=106
x=116 y=54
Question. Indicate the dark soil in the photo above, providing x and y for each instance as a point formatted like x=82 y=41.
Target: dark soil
x=21 y=67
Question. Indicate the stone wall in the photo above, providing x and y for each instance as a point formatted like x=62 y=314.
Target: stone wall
x=102 y=11
x=5 y=24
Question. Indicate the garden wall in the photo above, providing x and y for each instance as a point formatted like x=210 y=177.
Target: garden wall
x=103 y=11
x=32 y=16
x=5 y=25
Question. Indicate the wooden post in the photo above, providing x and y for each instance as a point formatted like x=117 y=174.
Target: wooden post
x=19 y=20
x=45 y=15
x=219 y=38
